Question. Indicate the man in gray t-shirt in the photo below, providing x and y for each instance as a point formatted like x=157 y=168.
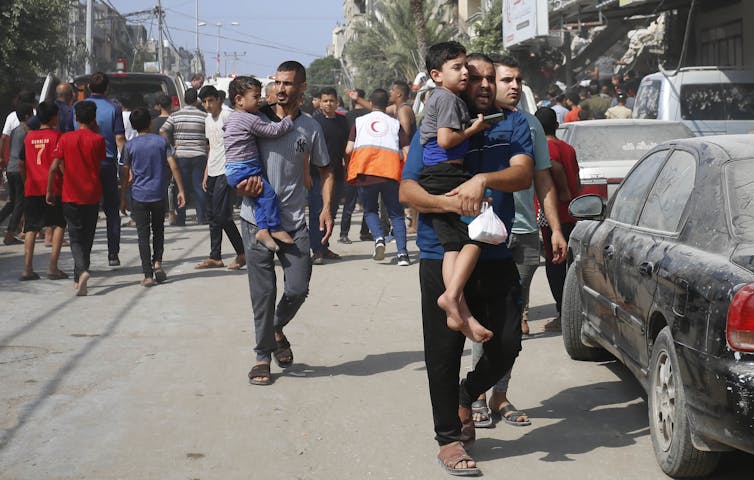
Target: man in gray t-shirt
x=14 y=206
x=285 y=162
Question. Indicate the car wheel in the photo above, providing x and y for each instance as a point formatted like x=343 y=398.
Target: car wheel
x=571 y=318
x=668 y=422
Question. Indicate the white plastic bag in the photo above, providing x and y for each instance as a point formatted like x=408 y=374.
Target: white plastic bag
x=487 y=227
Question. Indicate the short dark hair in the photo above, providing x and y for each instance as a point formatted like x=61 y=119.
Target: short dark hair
x=164 y=101
x=379 y=98
x=24 y=111
x=403 y=87
x=98 y=82
x=140 y=119
x=573 y=97
x=46 y=111
x=440 y=53
x=197 y=76
x=548 y=119
x=239 y=86
x=479 y=56
x=328 y=91
x=294 y=66
x=505 y=60
x=86 y=111
x=208 y=91
x=190 y=97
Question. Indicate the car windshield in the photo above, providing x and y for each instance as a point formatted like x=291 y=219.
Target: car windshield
x=739 y=176
x=135 y=91
x=621 y=142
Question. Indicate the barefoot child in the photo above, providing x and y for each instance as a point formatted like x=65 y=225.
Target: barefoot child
x=446 y=139
x=35 y=167
x=242 y=156
x=78 y=157
x=144 y=160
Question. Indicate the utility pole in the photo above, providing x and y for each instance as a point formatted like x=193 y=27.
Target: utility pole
x=235 y=56
x=159 y=27
x=89 y=42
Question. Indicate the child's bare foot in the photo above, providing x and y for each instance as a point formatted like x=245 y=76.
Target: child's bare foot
x=451 y=308
x=282 y=236
x=461 y=320
x=81 y=287
x=476 y=331
x=264 y=237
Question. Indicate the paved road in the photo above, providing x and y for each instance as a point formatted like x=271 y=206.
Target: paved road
x=134 y=383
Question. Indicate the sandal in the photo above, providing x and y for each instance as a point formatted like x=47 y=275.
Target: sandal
x=481 y=409
x=209 y=263
x=451 y=455
x=510 y=415
x=238 y=263
x=260 y=370
x=283 y=354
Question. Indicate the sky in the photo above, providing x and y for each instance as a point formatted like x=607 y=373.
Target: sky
x=269 y=32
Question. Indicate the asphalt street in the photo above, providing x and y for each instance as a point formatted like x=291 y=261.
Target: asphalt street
x=135 y=383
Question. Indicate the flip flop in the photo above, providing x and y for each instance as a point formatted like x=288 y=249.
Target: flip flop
x=57 y=276
x=480 y=408
x=32 y=276
x=509 y=414
x=283 y=354
x=209 y=263
x=260 y=370
x=160 y=275
x=451 y=455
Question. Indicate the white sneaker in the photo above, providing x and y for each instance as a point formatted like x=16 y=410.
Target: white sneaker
x=379 y=249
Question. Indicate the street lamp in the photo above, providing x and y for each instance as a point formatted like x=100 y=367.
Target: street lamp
x=219 y=25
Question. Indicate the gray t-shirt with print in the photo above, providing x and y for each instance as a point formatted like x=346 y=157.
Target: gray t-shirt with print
x=17 y=137
x=443 y=109
x=283 y=160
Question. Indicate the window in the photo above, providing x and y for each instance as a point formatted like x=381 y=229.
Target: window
x=670 y=193
x=714 y=101
x=739 y=179
x=630 y=197
x=647 y=100
x=722 y=45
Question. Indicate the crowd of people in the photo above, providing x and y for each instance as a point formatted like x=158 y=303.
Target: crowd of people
x=473 y=145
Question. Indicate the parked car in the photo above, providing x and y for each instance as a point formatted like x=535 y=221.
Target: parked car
x=708 y=100
x=609 y=148
x=663 y=279
x=127 y=88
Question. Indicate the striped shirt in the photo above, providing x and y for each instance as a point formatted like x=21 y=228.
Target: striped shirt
x=284 y=161
x=187 y=129
x=241 y=132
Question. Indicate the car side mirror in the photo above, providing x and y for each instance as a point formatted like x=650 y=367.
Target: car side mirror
x=587 y=207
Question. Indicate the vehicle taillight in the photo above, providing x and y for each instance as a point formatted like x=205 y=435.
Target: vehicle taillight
x=176 y=103
x=740 y=331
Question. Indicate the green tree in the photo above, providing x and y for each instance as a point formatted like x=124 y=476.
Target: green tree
x=385 y=46
x=488 y=32
x=33 y=41
x=323 y=72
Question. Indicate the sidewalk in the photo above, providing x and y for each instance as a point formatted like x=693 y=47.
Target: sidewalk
x=135 y=383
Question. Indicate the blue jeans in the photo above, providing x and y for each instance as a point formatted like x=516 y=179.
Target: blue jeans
x=369 y=195
x=192 y=174
x=315 y=208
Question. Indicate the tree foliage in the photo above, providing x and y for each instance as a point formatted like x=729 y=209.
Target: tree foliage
x=385 y=46
x=488 y=32
x=323 y=72
x=33 y=41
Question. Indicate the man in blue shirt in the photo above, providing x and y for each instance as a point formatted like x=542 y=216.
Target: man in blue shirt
x=110 y=123
x=500 y=159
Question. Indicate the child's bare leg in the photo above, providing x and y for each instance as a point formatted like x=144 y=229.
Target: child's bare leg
x=29 y=239
x=453 y=302
x=282 y=236
x=264 y=237
x=57 y=244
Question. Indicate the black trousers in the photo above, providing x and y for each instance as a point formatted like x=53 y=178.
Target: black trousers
x=82 y=222
x=220 y=217
x=108 y=175
x=494 y=294
x=150 y=215
x=556 y=272
x=15 y=205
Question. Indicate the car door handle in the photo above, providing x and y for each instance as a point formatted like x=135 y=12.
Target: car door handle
x=646 y=268
x=609 y=251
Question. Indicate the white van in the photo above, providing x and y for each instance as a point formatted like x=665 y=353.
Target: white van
x=709 y=100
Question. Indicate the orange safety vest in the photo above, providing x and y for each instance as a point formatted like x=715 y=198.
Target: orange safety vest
x=376 y=149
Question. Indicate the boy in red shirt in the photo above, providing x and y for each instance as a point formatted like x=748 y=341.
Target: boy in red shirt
x=35 y=165
x=78 y=155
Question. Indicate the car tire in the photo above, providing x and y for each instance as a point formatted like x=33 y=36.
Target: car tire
x=571 y=319
x=669 y=425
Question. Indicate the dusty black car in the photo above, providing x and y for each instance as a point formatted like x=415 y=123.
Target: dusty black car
x=663 y=279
